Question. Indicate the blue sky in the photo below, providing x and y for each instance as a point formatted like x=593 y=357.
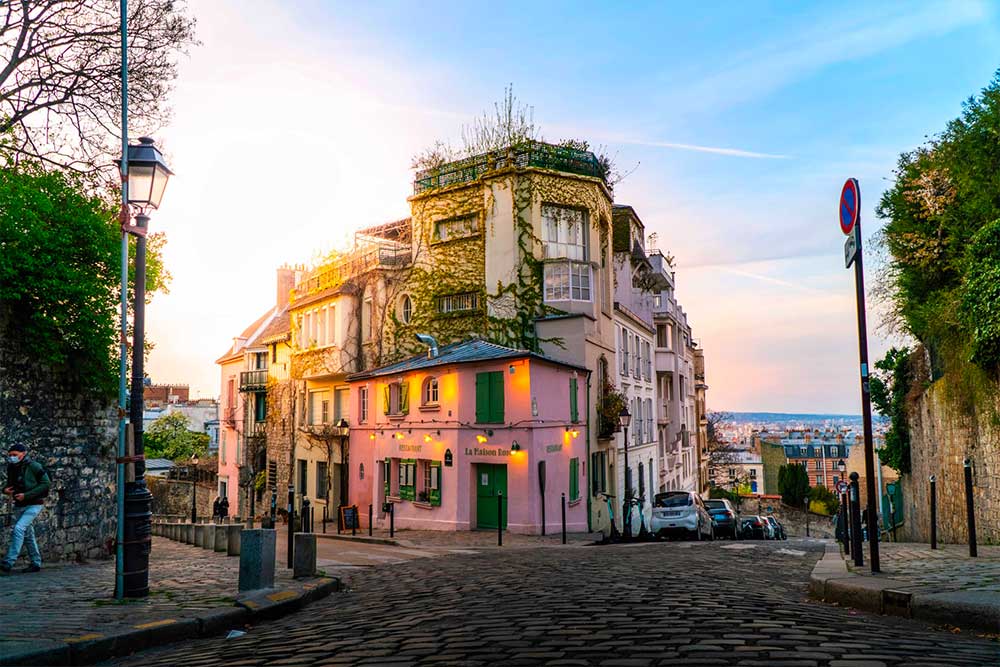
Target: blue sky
x=741 y=123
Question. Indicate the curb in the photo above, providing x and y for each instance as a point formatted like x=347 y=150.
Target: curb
x=360 y=538
x=831 y=581
x=94 y=647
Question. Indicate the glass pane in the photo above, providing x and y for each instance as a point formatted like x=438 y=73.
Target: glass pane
x=159 y=184
x=140 y=184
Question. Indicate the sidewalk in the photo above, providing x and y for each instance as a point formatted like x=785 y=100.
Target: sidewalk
x=67 y=614
x=943 y=585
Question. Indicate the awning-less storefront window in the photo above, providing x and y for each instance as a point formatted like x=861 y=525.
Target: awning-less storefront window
x=407 y=479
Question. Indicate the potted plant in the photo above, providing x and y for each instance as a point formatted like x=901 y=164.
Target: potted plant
x=609 y=406
x=423 y=497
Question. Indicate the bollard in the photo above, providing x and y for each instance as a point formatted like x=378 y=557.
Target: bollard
x=233 y=531
x=392 y=519
x=354 y=522
x=199 y=535
x=326 y=513
x=933 y=481
x=304 y=521
x=856 y=542
x=187 y=533
x=370 y=520
x=845 y=531
x=564 y=518
x=257 y=559
x=221 y=540
x=305 y=555
x=289 y=556
x=499 y=518
x=970 y=509
x=209 y=540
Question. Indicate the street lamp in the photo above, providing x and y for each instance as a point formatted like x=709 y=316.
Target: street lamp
x=842 y=467
x=145 y=174
x=194 y=488
x=343 y=432
x=624 y=419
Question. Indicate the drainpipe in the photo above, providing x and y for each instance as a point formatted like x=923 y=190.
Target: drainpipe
x=589 y=461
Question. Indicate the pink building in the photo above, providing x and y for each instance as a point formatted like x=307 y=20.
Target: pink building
x=444 y=435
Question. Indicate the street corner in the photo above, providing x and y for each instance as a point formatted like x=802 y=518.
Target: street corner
x=272 y=603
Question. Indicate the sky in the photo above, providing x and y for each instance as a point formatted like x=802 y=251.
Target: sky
x=295 y=123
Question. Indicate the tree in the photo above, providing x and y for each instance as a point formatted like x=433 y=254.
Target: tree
x=721 y=452
x=169 y=437
x=793 y=484
x=826 y=497
x=60 y=76
x=60 y=272
x=890 y=384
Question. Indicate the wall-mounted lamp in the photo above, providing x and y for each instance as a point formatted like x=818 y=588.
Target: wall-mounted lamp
x=480 y=438
x=427 y=437
x=515 y=446
x=574 y=433
x=371 y=436
x=399 y=435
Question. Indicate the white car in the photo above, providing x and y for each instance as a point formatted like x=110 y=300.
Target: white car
x=681 y=512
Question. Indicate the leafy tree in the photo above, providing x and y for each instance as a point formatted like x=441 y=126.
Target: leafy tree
x=60 y=76
x=793 y=484
x=60 y=272
x=827 y=498
x=169 y=437
x=890 y=383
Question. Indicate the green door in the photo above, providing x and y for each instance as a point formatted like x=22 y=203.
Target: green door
x=491 y=481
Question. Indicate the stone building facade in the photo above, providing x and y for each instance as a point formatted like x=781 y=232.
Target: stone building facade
x=73 y=435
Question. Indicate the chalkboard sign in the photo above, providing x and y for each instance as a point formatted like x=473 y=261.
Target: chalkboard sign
x=349 y=517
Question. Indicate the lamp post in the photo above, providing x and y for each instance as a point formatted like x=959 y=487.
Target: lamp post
x=147 y=175
x=842 y=468
x=624 y=419
x=343 y=433
x=194 y=488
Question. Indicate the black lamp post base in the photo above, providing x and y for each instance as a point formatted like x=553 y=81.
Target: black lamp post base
x=138 y=538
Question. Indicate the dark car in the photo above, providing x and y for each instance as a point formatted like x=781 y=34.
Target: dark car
x=779 y=528
x=753 y=528
x=725 y=518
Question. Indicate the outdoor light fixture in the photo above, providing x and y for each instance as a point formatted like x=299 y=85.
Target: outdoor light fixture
x=371 y=437
x=480 y=438
x=624 y=417
x=399 y=435
x=515 y=446
x=574 y=433
x=841 y=466
x=427 y=437
x=148 y=174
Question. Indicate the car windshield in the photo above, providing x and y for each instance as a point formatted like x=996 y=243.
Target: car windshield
x=715 y=505
x=680 y=499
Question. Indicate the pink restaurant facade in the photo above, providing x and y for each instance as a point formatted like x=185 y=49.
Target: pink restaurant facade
x=443 y=437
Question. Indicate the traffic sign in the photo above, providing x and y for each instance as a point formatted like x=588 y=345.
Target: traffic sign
x=842 y=487
x=850 y=248
x=850 y=205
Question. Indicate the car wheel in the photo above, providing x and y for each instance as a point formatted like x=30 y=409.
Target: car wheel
x=697 y=532
x=711 y=533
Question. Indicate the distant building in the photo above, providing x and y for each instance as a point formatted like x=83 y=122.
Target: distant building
x=158 y=395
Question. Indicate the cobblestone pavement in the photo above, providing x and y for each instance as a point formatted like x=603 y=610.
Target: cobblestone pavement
x=72 y=600
x=945 y=569
x=721 y=603
x=474 y=538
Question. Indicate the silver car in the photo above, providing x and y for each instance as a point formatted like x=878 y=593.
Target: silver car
x=681 y=512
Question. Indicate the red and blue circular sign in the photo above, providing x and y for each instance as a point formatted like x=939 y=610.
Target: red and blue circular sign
x=850 y=205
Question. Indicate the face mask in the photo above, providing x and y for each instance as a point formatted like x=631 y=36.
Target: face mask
x=14 y=459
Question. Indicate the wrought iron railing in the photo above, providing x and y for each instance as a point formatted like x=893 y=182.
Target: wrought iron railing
x=253 y=380
x=353 y=264
x=528 y=154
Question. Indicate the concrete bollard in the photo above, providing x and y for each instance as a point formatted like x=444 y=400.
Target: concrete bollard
x=189 y=533
x=233 y=539
x=175 y=531
x=221 y=537
x=200 y=533
x=304 y=559
x=209 y=541
x=185 y=533
x=257 y=550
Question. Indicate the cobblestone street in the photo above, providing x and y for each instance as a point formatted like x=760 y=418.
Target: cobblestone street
x=680 y=603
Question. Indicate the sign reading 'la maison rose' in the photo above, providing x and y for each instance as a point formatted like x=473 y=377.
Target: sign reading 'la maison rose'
x=481 y=451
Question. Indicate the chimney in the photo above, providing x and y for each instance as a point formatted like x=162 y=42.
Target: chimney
x=286 y=282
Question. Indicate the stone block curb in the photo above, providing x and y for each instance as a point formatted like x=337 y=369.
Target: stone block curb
x=95 y=647
x=363 y=538
x=831 y=581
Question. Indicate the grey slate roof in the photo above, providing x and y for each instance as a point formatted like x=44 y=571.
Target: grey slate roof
x=458 y=353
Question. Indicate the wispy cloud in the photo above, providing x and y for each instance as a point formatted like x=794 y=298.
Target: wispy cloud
x=774 y=281
x=717 y=150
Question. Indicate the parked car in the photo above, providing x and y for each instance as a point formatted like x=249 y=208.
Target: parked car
x=681 y=512
x=725 y=517
x=753 y=528
x=778 y=529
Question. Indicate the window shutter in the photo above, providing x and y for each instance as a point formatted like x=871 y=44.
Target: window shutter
x=404 y=397
x=385 y=399
x=496 y=397
x=574 y=479
x=594 y=477
x=387 y=466
x=482 y=397
x=574 y=413
x=434 y=493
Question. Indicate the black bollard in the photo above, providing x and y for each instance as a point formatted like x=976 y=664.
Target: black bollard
x=326 y=513
x=844 y=533
x=856 y=541
x=499 y=518
x=564 y=518
x=354 y=522
x=970 y=509
x=933 y=480
x=370 y=520
x=291 y=526
x=392 y=519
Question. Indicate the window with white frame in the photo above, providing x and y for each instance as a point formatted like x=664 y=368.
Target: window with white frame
x=319 y=407
x=456 y=228
x=454 y=303
x=567 y=281
x=366 y=319
x=363 y=404
x=647 y=367
x=637 y=420
x=637 y=356
x=649 y=420
x=623 y=349
x=564 y=232
x=429 y=394
x=405 y=309
x=342 y=404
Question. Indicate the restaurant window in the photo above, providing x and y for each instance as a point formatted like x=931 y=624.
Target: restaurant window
x=407 y=479
x=489 y=397
x=574 y=479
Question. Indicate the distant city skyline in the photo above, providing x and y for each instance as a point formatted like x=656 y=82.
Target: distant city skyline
x=295 y=125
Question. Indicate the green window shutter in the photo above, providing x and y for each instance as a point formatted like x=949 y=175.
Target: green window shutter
x=496 y=397
x=574 y=479
x=594 y=488
x=404 y=397
x=385 y=399
x=574 y=413
x=482 y=397
x=434 y=493
x=407 y=479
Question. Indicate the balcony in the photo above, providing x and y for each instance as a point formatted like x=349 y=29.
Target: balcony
x=253 y=380
x=528 y=154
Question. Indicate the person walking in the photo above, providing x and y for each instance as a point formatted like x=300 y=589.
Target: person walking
x=216 y=513
x=27 y=485
x=224 y=508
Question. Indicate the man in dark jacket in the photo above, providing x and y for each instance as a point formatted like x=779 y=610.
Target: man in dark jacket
x=27 y=485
